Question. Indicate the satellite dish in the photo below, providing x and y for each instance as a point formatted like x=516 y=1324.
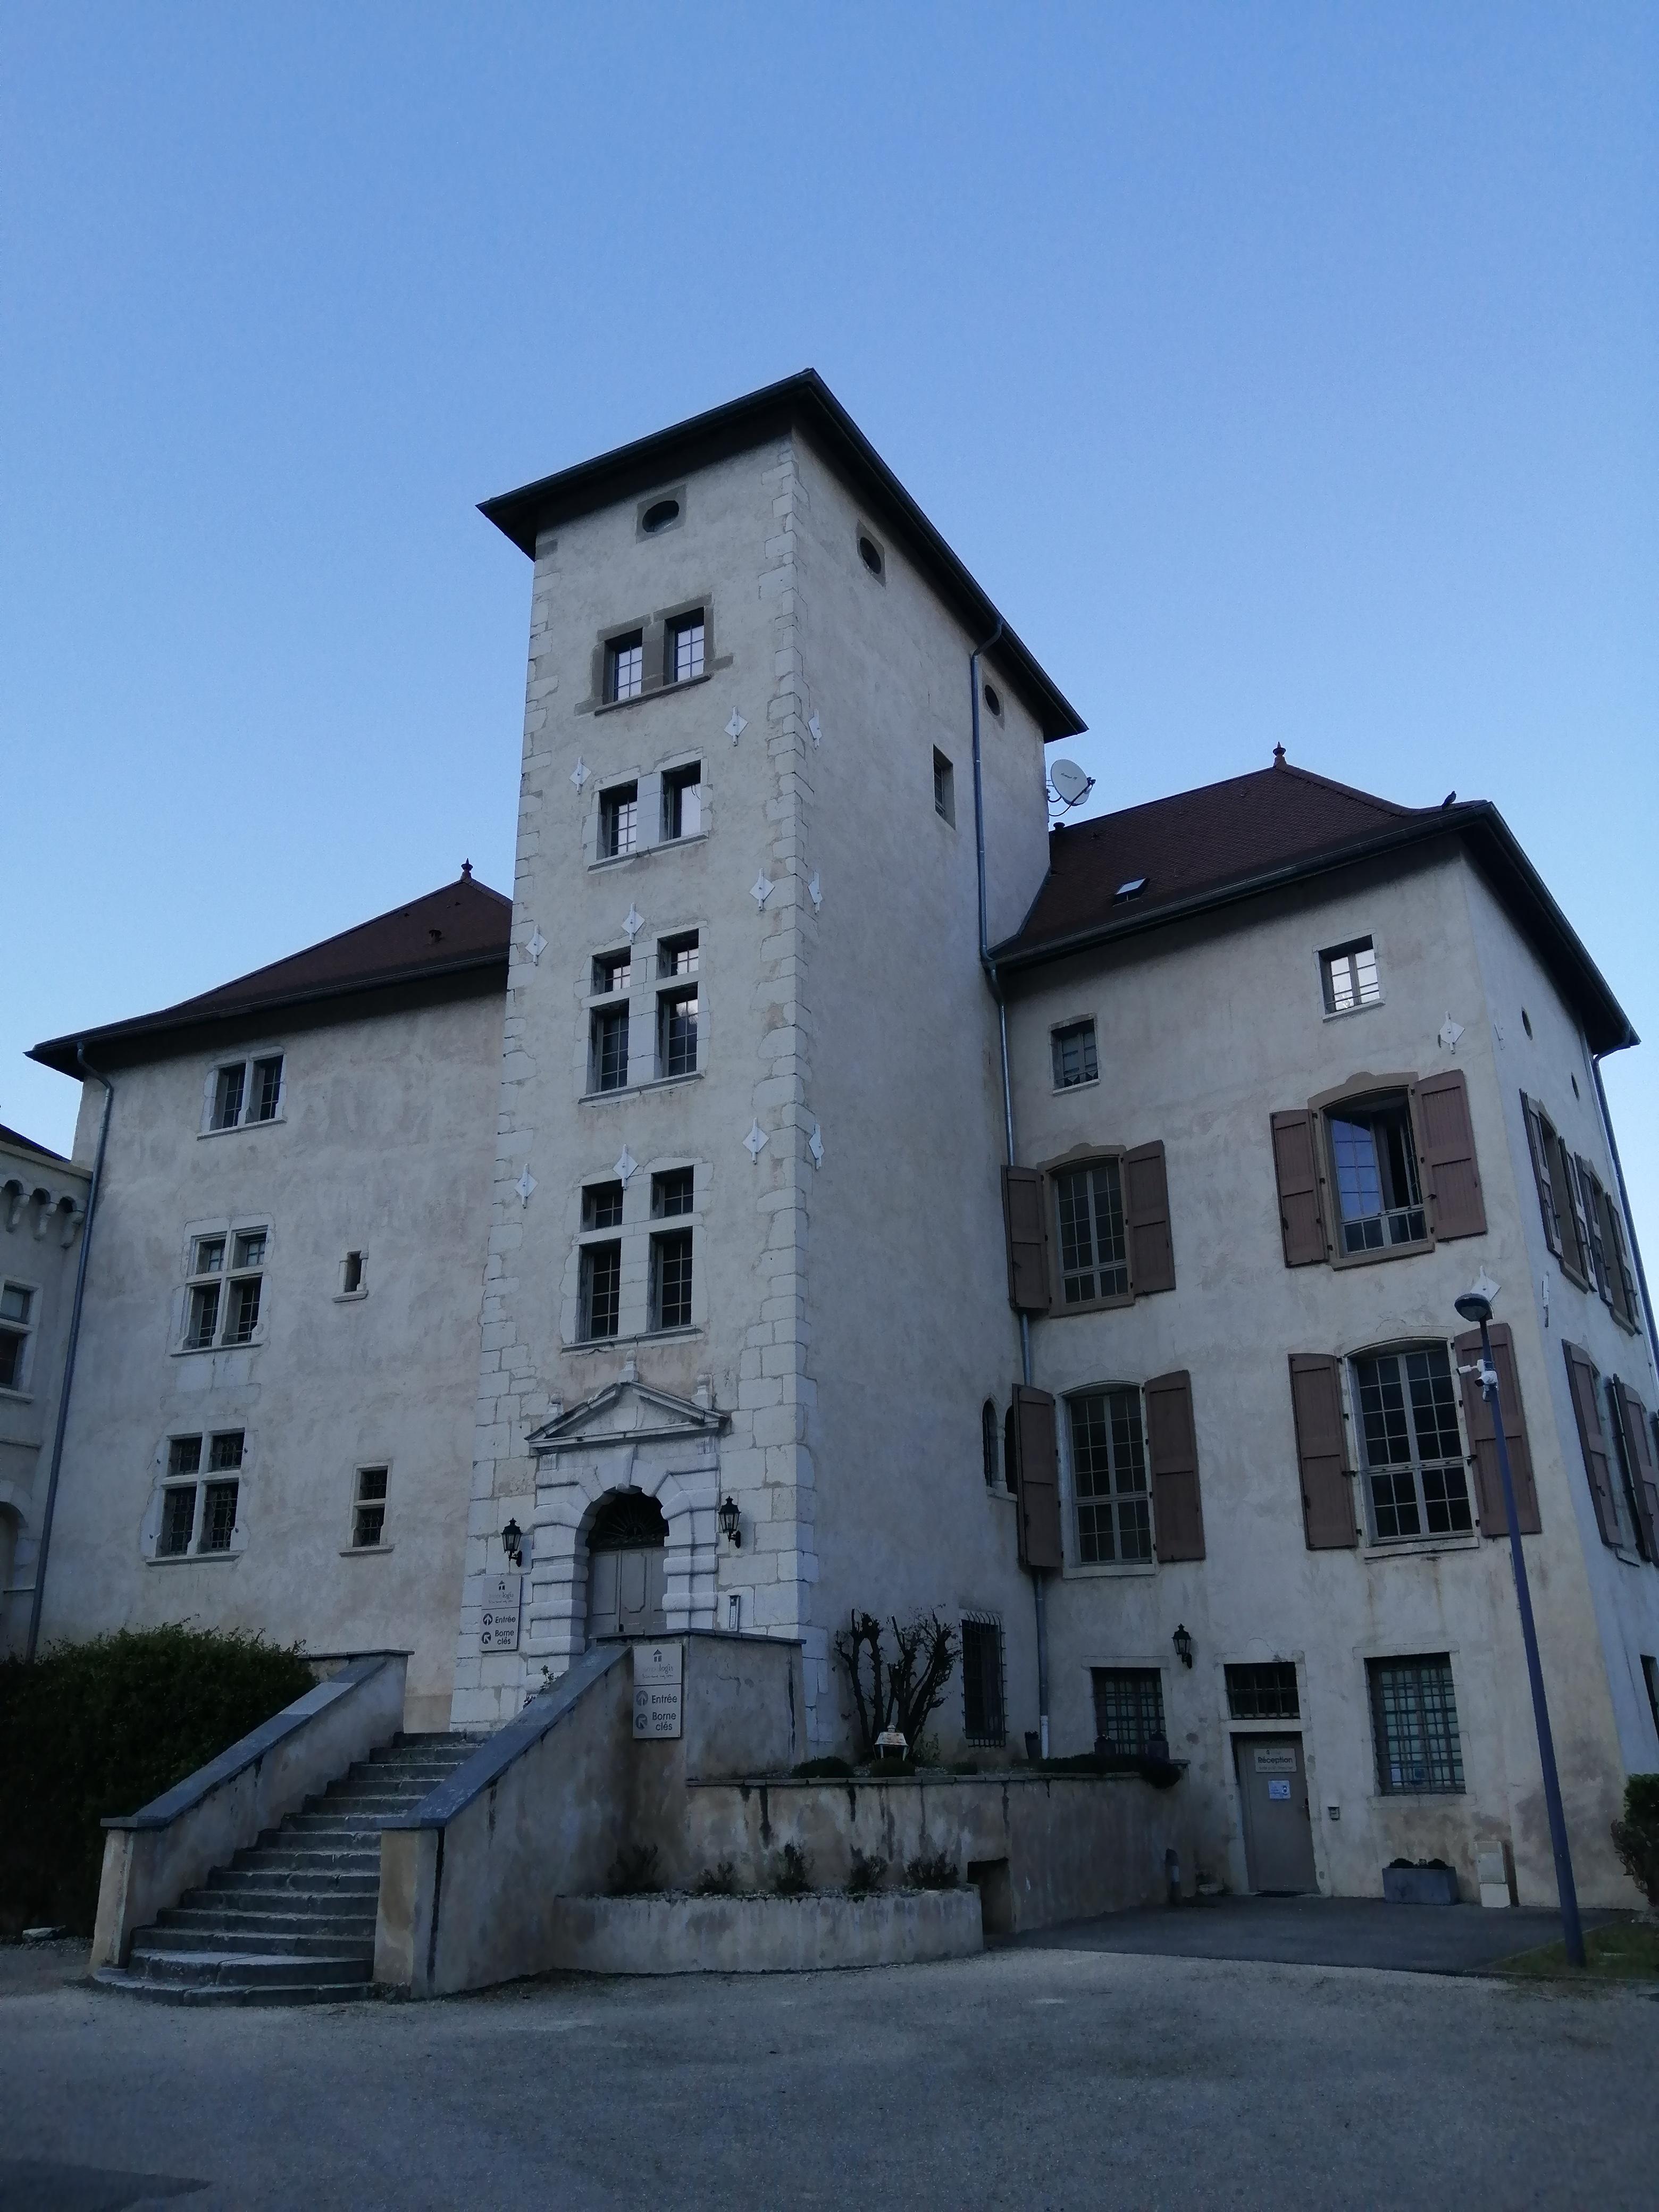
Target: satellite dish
x=1070 y=783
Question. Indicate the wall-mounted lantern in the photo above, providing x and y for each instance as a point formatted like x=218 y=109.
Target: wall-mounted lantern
x=512 y=1542
x=1183 y=1644
x=731 y=1524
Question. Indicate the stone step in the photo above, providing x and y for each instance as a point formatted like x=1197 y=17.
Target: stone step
x=215 y=1937
x=310 y=1876
x=270 y=1970
x=391 y=1788
x=327 y=1854
x=284 y=1921
x=230 y=1993
x=352 y=1823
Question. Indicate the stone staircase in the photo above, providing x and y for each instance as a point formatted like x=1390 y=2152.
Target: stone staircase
x=291 y=1919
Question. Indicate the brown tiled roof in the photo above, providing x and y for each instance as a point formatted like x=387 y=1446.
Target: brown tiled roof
x=462 y=928
x=27 y=1145
x=1200 y=850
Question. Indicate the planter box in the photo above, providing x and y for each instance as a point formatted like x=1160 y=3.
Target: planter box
x=1420 y=1885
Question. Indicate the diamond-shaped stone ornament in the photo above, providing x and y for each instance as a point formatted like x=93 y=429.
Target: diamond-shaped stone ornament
x=755 y=1142
x=633 y=921
x=736 y=726
x=524 y=1186
x=536 y=947
x=1450 y=1032
x=815 y=891
x=815 y=1146
x=578 y=774
x=626 y=1166
x=761 y=889
x=818 y=733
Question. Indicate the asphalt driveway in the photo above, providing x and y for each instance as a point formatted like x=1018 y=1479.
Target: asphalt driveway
x=1317 y=1931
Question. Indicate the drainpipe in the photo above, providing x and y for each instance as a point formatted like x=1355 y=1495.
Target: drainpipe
x=69 y=1357
x=1624 y=1200
x=995 y=980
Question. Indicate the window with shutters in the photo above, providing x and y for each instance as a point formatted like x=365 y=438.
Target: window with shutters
x=1377 y=1174
x=1108 y=1228
x=1128 y=1711
x=984 y=1703
x=1416 y=1483
x=1263 y=1691
x=1594 y=1420
x=1632 y=1438
x=1374 y=1179
x=1414 y=1721
x=1094 y=1256
x=1110 y=1489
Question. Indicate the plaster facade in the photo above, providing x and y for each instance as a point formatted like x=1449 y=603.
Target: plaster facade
x=380 y=1146
x=43 y=1201
x=1206 y=1029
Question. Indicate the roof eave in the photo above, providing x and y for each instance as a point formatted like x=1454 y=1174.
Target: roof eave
x=802 y=401
x=1607 y=1024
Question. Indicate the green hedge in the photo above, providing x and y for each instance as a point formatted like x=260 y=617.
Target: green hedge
x=99 y=1728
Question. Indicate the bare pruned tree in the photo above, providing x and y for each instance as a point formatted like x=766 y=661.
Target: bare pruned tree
x=900 y=1693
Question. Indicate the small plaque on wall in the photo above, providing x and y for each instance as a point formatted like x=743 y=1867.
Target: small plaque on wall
x=499 y=1629
x=658 y=1670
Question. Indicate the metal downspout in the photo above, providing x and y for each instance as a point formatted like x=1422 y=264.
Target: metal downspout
x=1624 y=1200
x=45 y=1546
x=992 y=979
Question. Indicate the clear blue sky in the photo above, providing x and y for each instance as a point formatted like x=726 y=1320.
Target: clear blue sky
x=1286 y=373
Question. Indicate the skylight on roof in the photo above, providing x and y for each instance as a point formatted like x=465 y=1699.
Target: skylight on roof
x=1132 y=889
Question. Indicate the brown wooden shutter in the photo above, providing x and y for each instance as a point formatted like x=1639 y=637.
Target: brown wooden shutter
x=1456 y=1207
x=1477 y=1419
x=1321 y=1450
x=1623 y=1285
x=1299 y=1219
x=1037 y=1453
x=1146 y=1217
x=1564 y=1181
x=1590 y=1191
x=1537 y=1146
x=1025 y=1217
x=1172 y=1449
x=1593 y=1440
x=1645 y=1470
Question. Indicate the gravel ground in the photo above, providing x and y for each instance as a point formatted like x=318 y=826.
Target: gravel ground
x=1054 y=2080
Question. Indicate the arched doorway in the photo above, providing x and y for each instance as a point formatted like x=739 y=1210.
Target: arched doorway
x=625 y=1563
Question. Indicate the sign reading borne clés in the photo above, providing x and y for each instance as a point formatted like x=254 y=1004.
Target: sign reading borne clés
x=657 y=1683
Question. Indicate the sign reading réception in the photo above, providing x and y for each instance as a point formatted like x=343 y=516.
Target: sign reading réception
x=658 y=1671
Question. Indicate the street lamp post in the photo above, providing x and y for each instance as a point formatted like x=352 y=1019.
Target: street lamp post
x=1475 y=1306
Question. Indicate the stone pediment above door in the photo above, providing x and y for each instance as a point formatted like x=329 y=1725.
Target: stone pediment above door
x=626 y=1414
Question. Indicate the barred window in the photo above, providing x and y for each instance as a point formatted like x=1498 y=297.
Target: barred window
x=1108 y=1474
x=1074 y=1055
x=181 y=1533
x=1414 y=1471
x=1128 y=1710
x=671 y=1280
x=1094 y=1256
x=1263 y=1692
x=178 y=1522
x=983 y=1705
x=599 y=1291
x=218 y=1515
x=1415 y=1716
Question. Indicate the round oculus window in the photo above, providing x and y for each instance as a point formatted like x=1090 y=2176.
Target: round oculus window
x=870 y=554
x=660 y=516
x=994 y=698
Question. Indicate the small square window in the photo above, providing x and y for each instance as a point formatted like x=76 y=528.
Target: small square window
x=944 y=787
x=602 y=1205
x=184 y=1455
x=619 y=820
x=251 y=1248
x=178 y=1522
x=369 y=1508
x=624 y=666
x=1263 y=1692
x=1074 y=1055
x=613 y=971
x=672 y=1192
x=225 y=1451
x=208 y=1256
x=678 y=956
x=1349 y=975
x=682 y=801
x=685 y=641
x=671 y=1280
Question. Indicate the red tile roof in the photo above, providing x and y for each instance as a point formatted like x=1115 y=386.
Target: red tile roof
x=1199 y=850
x=462 y=929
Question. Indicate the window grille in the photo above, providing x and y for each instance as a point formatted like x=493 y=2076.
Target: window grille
x=177 y=1520
x=1349 y=975
x=625 y=666
x=619 y=820
x=1128 y=1710
x=1373 y=1155
x=984 y=1705
x=16 y=1309
x=1414 y=1714
x=368 y=1512
x=218 y=1515
x=1094 y=1256
x=1074 y=1055
x=611 y=1048
x=1414 y=1468
x=671 y=1280
x=1263 y=1692
x=685 y=648
x=599 y=1293
x=1109 y=1475
x=222 y=1305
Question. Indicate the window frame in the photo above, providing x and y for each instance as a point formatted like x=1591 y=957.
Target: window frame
x=349 y=1291
x=624 y=645
x=250 y=1065
x=1238 y=1691
x=1081 y=1162
x=944 y=787
x=992 y=1731
x=664 y=1243
x=1419 y=1662
x=678 y=782
x=675 y=627
x=359 y=1503
x=210 y=1473
x=1330 y=953
x=25 y=1332
x=1083 y=1023
x=1368 y=1090
x=611 y=804
x=1416 y=1467
x=593 y=1251
x=1110 y=1499
x=609 y=1017
x=224 y=1279
x=1143 y=1678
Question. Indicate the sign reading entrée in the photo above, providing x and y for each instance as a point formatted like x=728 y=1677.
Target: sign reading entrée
x=499 y=1628
x=657 y=1685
